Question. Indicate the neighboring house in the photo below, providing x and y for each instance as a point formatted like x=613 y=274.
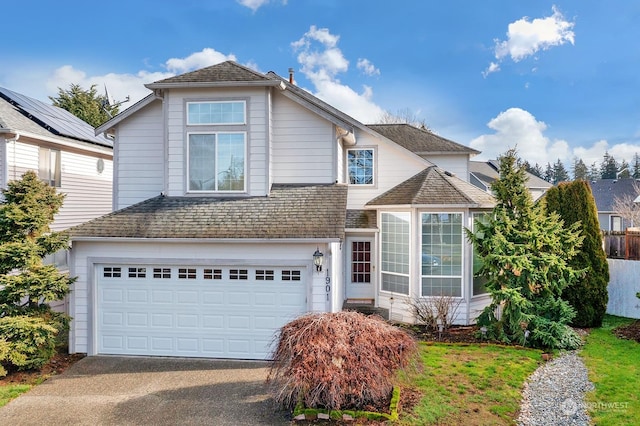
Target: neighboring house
x=605 y=192
x=483 y=173
x=63 y=150
x=244 y=201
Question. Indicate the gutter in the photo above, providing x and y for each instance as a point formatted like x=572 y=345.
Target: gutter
x=208 y=240
x=14 y=135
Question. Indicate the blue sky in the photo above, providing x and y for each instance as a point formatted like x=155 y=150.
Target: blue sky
x=555 y=79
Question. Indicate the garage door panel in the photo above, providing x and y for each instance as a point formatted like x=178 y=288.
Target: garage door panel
x=205 y=313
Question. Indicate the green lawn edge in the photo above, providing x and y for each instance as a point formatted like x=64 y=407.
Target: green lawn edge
x=369 y=415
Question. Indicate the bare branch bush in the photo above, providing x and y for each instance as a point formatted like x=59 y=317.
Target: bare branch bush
x=431 y=310
x=342 y=360
x=626 y=206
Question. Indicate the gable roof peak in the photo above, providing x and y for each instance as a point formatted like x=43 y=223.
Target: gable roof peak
x=223 y=73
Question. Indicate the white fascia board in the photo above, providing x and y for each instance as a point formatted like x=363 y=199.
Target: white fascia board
x=207 y=240
x=80 y=146
x=428 y=206
x=204 y=84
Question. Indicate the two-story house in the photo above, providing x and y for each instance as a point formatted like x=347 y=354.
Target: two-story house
x=243 y=201
x=63 y=150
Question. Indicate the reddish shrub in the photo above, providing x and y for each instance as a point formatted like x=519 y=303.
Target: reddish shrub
x=342 y=360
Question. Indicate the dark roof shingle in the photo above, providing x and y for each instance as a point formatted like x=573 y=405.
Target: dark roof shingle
x=605 y=192
x=434 y=186
x=420 y=141
x=219 y=73
x=361 y=219
x=300 y=211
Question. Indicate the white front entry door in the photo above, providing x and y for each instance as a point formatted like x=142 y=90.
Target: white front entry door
x=360 y=268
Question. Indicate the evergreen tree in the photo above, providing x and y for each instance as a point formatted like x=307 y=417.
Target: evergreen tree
x=580 y=170
x=594 y=172
x=623 y=170
x=559 y=173
x=525 y=254
x=26 y=284
x=87 y=105
x=636 y=166
x=608 y=167
x=548 y=173
x=588 y=295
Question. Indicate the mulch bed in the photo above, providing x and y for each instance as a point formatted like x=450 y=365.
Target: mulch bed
x=57 y=365
x=629 y=331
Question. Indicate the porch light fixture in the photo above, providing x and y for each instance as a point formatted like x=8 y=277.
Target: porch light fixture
x=318 y=258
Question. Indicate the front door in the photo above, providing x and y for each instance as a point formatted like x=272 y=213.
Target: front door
x=360 y=268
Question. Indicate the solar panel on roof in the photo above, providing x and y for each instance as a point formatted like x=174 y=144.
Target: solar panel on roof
x=57 y=120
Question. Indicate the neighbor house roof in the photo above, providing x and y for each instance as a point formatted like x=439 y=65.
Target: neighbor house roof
x=434 y=187
x=22 y=114
x=488 y=171
x=290 y=211
x=420 y=141
x=605 y=191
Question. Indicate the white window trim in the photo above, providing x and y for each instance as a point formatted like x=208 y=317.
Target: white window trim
x=187 y=174
x=228 y=101
x=462 y=254
x=473 y=250
x=374 y=165
x=57 y=170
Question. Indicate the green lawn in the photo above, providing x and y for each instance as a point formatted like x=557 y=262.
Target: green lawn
x=8 y=392
x=614 y=369
x=469 y=384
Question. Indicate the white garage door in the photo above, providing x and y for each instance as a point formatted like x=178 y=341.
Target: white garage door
x=196 y=311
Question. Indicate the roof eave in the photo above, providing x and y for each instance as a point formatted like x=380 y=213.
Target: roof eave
x=201 y=84
x=206 y=240
x=105 y=127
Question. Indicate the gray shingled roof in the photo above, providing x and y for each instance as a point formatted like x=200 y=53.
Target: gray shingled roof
x=434 y=186
x=224 y=72
x=605 y=191
x=488 y=171
x=420 y=141
x=290 y=211
x=361 y=219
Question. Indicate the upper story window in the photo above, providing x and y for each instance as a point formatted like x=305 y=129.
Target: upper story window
x=49 y=166
x=360 y=166
x=217 y=161
x=216 y=112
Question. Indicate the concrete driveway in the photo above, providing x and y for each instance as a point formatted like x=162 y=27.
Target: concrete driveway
x=103 y=390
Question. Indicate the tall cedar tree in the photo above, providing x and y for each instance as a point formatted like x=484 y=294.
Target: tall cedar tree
x=525 y=255
x=87 y=105
x=26 y=284
x=574 y=202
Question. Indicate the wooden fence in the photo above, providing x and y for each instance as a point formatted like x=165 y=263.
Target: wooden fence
x=622 y=245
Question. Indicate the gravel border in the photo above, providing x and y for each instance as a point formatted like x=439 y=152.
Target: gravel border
x=554 y=393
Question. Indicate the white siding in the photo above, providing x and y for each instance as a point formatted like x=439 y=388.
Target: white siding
x=257 y=135
x=303 y=145
x=456 y=164
x=393 y=165
x=88 y=193
x=140 y=157
x=86 y=254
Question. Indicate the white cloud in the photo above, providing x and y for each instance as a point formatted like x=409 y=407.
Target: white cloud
x=517 y=128
x=253 y=4
x=197 y=60
x=321 y=62
x=525 y=38
x=493 y=67
x=367 y=67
